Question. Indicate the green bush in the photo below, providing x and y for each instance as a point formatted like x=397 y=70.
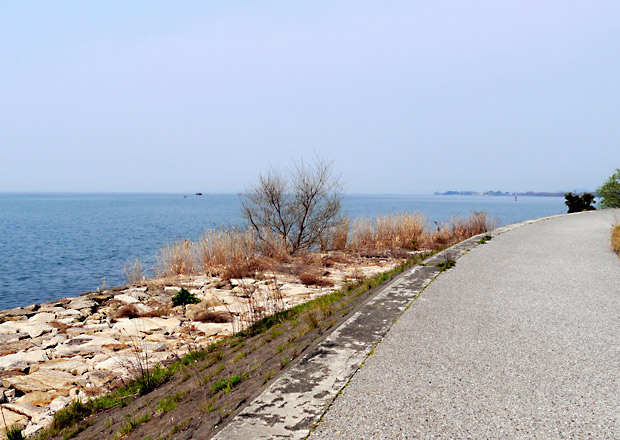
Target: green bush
x=609 y=192
x=184 y=297
x=579 y=203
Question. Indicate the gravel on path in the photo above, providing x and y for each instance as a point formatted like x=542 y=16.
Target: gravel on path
x=519 y=340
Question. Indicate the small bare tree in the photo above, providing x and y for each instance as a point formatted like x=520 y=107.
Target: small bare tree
x=299 y=206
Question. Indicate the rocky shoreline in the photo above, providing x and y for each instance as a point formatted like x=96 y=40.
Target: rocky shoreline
x=83 y=347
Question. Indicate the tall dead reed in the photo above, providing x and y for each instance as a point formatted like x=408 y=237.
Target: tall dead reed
x=134 y=272
x=412 y=231
x=394 y=231
x=219 y=250
x=176 y=259
x=238 y=253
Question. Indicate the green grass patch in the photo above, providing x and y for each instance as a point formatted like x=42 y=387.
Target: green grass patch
x=169 y=403
x=445 y=265
x=131 y=424
x=484 y=239
x=228 y=384
x=14 y=433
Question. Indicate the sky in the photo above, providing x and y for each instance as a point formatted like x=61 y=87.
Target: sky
x=404 y=97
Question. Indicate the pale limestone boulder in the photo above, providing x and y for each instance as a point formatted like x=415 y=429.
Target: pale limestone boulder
x=81 y=303
x=126 y=299
x=22 y=359
x=38 y=398
x=120 y=363
x=97 y=327
x=10 y=327
x=67 y=313
x=137 y=326
x=36 y=329
x=11 y=419
x=59 y=403
x=209 y=328
x=25 y=409
x=75 y=367
x=43 y=381
x=44 y=317
x=53 y=341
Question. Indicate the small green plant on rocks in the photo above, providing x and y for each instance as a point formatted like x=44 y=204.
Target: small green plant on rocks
x=184 y=297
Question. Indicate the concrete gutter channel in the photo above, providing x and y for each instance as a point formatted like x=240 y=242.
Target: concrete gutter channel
x=294 y=404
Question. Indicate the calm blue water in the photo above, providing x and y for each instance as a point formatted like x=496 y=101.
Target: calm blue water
x=60 y=245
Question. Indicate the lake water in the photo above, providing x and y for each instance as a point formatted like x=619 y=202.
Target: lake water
x=61 y=245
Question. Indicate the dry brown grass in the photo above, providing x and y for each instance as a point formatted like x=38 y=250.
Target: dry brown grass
x=314 y=278
x=176 y=259
x=216 y=317
x=395 y=231
x=134 y=272
x=615 y=239
x=238 y=253
x=411 y=231
x=127 y=311
x=340 y=234
x=158 y=312
x=218 y=249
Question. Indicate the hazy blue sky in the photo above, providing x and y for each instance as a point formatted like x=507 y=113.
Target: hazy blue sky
x=404 y=97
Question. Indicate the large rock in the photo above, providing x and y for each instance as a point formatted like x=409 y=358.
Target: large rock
x=44 y=381
x=75 y=367
x=81 y=303
x=120 y=364
x=39 y=398
x=126 y=299
x=138 y=326
x=45 y=317
x=12 y=419
x=59 y=403
x=22 y=359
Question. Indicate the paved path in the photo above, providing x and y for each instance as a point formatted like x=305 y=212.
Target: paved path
x=520 y=340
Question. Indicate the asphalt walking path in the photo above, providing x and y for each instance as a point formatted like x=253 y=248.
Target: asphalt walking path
x=521 y=339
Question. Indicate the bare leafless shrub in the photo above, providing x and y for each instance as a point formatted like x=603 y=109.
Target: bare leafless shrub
x=297 y=207
x=176 y=259
x=127 y=311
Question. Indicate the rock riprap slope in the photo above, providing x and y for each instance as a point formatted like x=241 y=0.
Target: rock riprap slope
x=79 y=348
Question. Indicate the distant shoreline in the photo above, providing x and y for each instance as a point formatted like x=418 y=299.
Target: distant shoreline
x=500 y=193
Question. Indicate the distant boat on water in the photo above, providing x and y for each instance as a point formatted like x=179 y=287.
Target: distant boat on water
x=198 y=194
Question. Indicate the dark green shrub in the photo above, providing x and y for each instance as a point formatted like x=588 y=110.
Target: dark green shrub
x=184 y=297
x=579 y=203
x=609 y=192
